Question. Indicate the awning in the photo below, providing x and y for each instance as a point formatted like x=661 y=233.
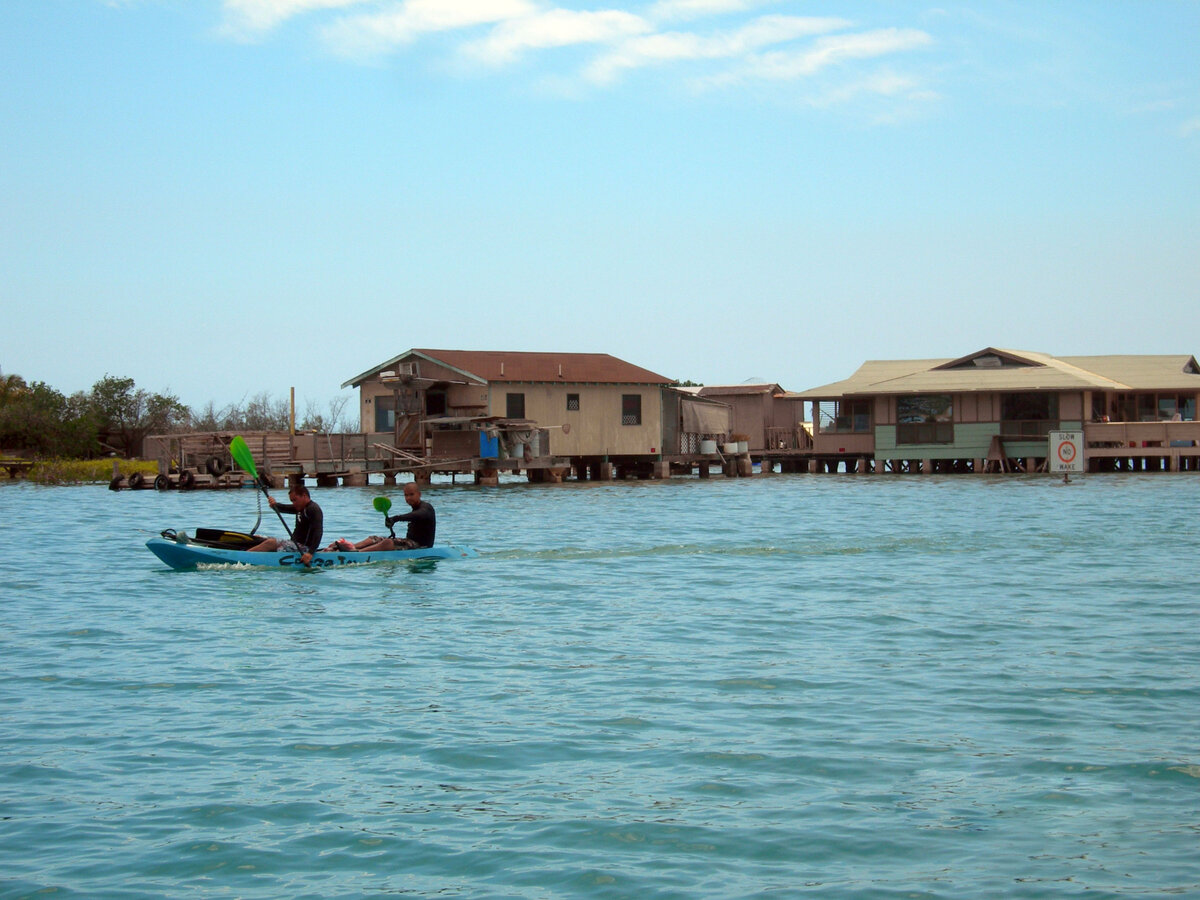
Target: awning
x=701 y=416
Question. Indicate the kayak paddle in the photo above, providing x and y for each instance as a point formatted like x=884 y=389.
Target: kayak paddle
x=245 y=459
x=383 y=504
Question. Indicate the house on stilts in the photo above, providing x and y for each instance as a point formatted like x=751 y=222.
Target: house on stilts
x=546 y=414
x=992 y=410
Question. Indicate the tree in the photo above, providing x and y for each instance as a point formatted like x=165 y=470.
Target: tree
x=12 y=388
x=325 y=423
x=126 y=414
x=264 y=414
x=210 y=418
x=38 y=420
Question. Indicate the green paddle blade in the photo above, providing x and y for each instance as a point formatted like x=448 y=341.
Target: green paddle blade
x=242 y=456
x=382 y=504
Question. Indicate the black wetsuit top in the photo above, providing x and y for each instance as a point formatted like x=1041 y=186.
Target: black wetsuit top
x=310 y=525
x=422 y=524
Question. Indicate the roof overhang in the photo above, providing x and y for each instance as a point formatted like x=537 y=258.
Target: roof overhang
x=991 y=370
x=410 y=355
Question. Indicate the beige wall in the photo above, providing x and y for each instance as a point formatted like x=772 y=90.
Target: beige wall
x=749 y=416
x=753 y=414
x=885 y=411
x=967 y=407
x=474 y=396
x=844 y=443
x=1070 y=406
x=596 y=427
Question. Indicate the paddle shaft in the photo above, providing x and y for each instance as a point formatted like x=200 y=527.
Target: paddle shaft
x=282 y=521
x=241 y=454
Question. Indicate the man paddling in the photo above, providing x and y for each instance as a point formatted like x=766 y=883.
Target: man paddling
x=310 y=523
x=422 y=521
x=422 y=526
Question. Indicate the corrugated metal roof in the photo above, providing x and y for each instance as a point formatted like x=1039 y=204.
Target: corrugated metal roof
x=514 y=366
x=1040 y=372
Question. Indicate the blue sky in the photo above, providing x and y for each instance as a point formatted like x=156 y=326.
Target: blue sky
x=223 y=198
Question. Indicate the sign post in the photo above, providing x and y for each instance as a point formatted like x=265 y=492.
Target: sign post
x=1066 y=452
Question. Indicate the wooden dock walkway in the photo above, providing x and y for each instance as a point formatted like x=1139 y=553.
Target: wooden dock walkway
x=202 y=461
x=15 y=467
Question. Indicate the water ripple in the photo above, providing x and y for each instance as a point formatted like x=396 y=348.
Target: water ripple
x=935 y=687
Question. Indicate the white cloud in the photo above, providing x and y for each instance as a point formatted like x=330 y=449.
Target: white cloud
x=675 y=46
x=402 y=23
x=762 y=48
x=555 y=28
x=668 y=10
x=828 y=51
x=882 y=84
x=262 y=15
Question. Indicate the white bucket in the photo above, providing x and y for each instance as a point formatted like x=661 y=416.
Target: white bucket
x=731 y=448
x=743 y=446
x=708 y=446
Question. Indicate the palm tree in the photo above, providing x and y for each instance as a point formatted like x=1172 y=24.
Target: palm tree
x=12 y=387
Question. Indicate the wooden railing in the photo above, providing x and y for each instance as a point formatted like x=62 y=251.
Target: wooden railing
x=788 y=437
x=1114 y=435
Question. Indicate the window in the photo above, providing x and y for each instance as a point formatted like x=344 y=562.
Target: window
x=1031 y=416
x=1154 y=407
x=631 y=409
x=515 y=406
x=845 y=416
x=435 y=402
x=925 y=419
x=385 y=413
x=572 y=403
x=1147 y=408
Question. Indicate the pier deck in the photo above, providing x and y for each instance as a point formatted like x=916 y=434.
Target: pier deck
x=15 y=467
x=202 y=461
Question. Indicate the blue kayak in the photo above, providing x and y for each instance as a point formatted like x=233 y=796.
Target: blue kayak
x=188 y=555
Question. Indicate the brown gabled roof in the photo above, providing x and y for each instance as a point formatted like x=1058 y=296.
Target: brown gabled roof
x=517 y=366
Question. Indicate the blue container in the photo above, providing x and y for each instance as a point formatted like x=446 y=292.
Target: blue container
x=489 y=445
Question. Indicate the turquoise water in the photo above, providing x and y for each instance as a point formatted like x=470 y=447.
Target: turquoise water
x=850 y=686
